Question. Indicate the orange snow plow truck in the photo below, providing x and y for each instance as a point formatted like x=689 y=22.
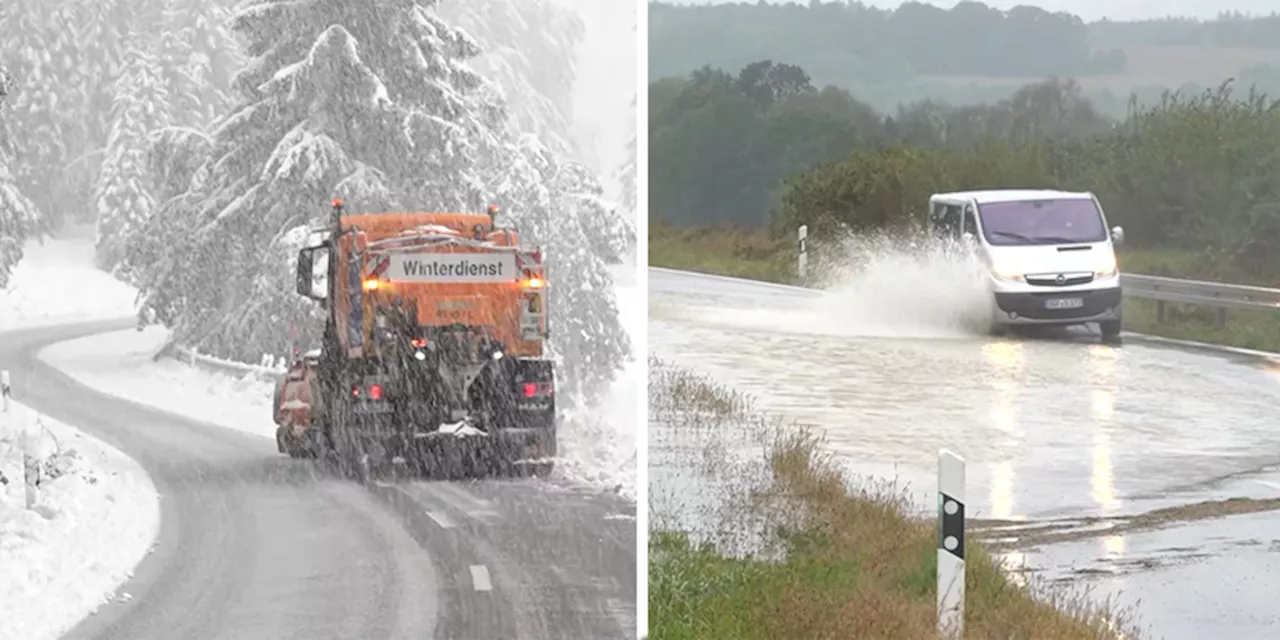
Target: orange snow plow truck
x=434 y=347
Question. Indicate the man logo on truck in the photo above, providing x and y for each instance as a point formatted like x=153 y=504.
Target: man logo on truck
x=464 y=269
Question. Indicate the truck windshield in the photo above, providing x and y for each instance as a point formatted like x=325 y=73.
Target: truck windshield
x=1042 y=222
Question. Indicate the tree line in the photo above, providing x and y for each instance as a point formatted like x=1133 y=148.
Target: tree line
x=848 y=44
x=1199 y=172
x=205 y=142
x=721 y=143
x=1229 y=29
x=918 y=51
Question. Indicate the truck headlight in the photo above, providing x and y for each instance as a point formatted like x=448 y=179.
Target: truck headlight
x=1106 y=267
x=1006 y=270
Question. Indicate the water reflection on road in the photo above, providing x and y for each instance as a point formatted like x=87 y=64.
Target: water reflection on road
x=1061 y=428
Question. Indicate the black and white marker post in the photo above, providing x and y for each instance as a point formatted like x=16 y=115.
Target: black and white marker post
x=802 y=243
x=30 y=461
x=950 y=545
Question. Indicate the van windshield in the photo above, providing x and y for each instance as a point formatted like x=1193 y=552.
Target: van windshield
x=1064 y=221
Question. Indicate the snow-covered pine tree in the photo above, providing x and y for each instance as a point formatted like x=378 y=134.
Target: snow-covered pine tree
x=105 y=29
x=101 y=31
x=610 y=236
x=18 y=215
x=181 y=73
x=199 y=56
x=124 y=192
x=626 y=173
x=36 y=49
x=371 y=102
x=177 y=159
x=528 y=50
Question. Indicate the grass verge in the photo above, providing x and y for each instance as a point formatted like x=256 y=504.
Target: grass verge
x=726 y=251
x=1245 y=329
x=756 y=255
x=800 y=551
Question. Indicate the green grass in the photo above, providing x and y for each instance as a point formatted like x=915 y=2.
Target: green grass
x=843 y=562
x=1245 y=329
x=725 y=251
x=755 y=255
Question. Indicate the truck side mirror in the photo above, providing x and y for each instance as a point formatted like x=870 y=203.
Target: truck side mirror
x=1117 y=235
x=312 y=278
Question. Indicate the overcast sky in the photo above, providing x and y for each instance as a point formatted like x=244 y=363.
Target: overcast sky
x=1097 y=9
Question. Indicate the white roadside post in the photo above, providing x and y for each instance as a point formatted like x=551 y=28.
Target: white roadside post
x=950 y=545
x=30 y=461
x=802 y=236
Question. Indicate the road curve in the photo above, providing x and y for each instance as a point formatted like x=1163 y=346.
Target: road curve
x=256 y=546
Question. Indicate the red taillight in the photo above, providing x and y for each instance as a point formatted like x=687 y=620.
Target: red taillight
x=419 y=342
x=355 y=391
x=533 y=389
x=375 y=392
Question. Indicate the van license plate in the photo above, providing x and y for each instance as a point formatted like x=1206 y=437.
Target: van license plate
x=1064 y=303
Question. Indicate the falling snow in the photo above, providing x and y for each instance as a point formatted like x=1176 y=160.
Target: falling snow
x=164 y=161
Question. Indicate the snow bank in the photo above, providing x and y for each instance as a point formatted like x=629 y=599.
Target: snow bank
x=97 y=512
x=57 y=282
x=120 y=363
x=96 y=517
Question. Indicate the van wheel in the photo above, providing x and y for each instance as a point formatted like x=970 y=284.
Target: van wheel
x=1110 y=331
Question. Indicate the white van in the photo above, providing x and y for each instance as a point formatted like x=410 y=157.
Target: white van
x=1049 y=256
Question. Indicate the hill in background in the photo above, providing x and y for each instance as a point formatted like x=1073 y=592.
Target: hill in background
x=968 y=54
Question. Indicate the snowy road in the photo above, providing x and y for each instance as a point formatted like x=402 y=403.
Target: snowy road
x=1060 y=429
x=254 y=545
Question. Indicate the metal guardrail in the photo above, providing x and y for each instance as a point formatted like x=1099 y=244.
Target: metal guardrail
x=219 y=365
x=1217 y=295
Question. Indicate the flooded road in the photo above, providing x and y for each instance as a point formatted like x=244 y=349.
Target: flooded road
x=1058 y=427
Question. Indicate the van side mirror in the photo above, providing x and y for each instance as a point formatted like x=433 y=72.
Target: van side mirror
x=1117 y=235
x=312 y=278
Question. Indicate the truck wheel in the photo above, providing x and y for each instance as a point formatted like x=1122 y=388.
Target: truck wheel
x=1110 y=331
x=312 y=443
x=286 y=444
x=548 y=450
x=346 y=455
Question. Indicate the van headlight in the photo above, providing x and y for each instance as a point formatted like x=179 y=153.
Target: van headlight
x=1004 y=270
x=1106 y=267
